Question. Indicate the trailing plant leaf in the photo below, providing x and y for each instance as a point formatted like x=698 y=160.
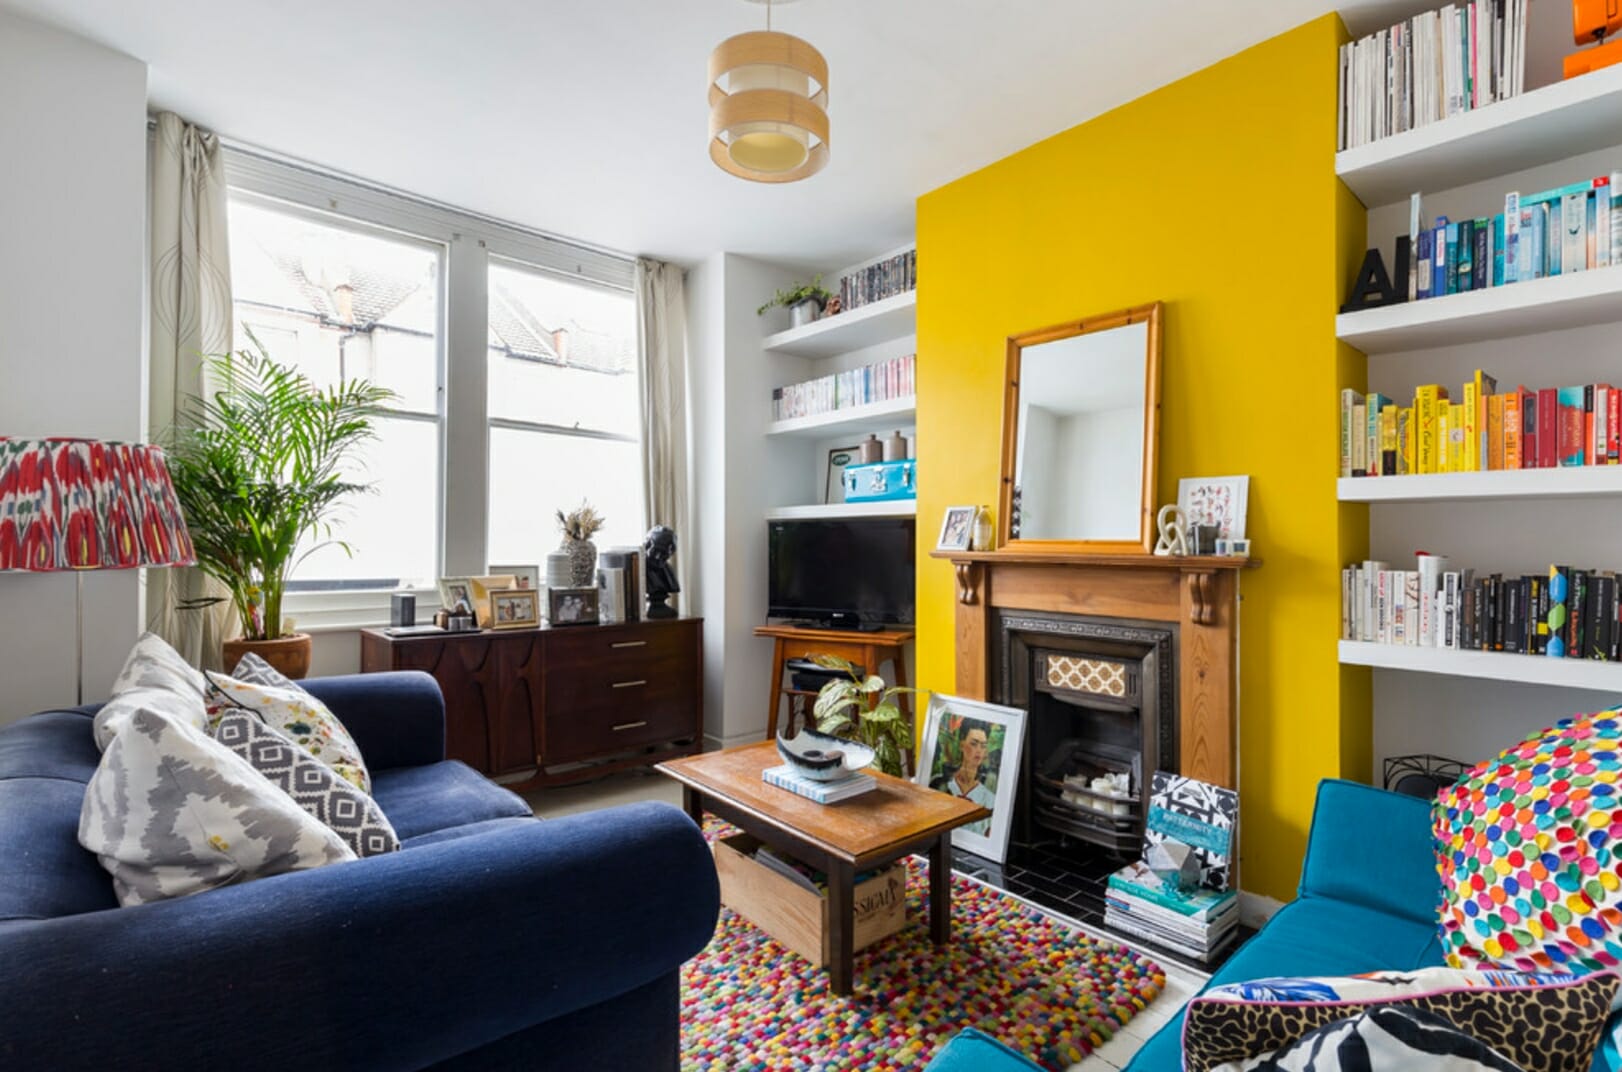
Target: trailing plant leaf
x=796 y=294
x=861 y=708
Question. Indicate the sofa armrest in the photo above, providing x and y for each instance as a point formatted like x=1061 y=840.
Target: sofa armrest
x=397 y=717
x=1374 y=848
x=395 y=961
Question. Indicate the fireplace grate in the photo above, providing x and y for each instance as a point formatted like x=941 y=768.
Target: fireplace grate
x=1064 y=801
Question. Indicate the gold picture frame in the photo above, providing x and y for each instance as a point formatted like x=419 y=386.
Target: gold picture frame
x=482 y=587
x=515 y=608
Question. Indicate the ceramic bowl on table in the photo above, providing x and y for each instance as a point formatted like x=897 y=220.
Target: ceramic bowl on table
x=822 y=757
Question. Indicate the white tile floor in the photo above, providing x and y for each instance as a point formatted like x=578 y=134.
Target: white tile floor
x=1181 y=983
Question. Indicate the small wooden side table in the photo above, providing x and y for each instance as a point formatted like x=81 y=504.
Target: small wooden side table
x=868 y=650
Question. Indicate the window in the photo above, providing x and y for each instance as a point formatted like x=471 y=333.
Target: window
x=564 y=410
x=340 y=300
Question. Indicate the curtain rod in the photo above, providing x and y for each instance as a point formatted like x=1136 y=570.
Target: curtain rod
x=322 y=171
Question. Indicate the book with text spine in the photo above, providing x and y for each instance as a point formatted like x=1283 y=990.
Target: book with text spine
x=1201 y=904
x=785 y=777
x=1428 y=402
x=1569 y=438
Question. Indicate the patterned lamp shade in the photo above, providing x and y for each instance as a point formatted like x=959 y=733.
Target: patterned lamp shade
x=82 y=504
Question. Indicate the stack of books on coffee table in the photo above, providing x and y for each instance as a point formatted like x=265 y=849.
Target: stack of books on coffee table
x=1198 y=922
x=850 y=785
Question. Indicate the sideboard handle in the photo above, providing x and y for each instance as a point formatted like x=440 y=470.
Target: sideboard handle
x=628 y=684
x=629 y=644
x=629 y=726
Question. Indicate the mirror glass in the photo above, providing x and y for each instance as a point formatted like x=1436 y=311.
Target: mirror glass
x=1083 y=441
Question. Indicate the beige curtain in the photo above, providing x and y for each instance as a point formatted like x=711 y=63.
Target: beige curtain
x=661 y=328
x=191 y=316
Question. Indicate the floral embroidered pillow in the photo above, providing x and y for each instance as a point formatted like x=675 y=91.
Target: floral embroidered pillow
x=297 y=715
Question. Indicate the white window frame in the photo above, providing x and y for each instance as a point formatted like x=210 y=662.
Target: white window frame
x=469 y=241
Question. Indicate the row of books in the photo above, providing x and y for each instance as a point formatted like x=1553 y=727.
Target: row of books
x=1198 y=923
x=1566 y=613
x=1435 y=65
x=786 y=777
x=863 y=386
x=886 y=279
x=1551 y=427
x=1566 y=229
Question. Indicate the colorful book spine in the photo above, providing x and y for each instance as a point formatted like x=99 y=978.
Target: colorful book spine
x=1429 y=400
x=1569 y=437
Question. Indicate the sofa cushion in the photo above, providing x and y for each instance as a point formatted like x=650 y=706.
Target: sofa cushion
x=253 y=669
x=152 y=663
x=179 y=704
x=304 y=719
x=1544 y=1023
x=973 y=1051
x=420 y=800
x=313 y=785
x=1382 y=1038
x=1529 y=852
x=54 y=744
x=455 y=833
x=170 y=812
x=47 y=873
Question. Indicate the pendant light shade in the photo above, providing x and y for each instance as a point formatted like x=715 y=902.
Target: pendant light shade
x=768 y=107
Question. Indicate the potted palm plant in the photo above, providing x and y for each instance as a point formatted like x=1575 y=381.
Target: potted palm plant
x=259 y=468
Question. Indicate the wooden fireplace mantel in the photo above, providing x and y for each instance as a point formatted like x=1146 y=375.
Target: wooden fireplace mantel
x=1200 y=593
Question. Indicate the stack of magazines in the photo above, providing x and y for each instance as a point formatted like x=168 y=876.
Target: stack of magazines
x=1199 y=922
x=786 y=777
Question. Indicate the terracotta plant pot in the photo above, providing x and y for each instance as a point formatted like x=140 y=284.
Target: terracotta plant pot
x=289 y=654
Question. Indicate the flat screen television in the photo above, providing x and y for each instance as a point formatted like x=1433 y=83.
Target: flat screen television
x=855 y=573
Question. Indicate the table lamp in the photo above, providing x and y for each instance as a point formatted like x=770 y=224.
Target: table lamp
x=84 y=504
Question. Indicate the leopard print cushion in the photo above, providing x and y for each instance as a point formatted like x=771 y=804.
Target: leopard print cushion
x=1544 y=1023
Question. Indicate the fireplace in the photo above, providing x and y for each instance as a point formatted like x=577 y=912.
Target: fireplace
x=1101 y=702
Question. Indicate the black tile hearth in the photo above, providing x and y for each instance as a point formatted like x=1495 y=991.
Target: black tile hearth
x=1071 y=883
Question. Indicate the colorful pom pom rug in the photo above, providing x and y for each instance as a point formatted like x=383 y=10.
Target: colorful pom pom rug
x=1047 y=990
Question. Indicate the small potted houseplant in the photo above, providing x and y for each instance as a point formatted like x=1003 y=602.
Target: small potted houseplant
x=259 y=467
x=804 y=301
x=862 y=709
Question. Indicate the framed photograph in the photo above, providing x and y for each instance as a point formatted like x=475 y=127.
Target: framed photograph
x=834 y=479
x=971 y=749
x=957 y=528
x=523 y=576
x=1215 y=500
x=481 y=587
x=515 y=608
x=571 y=606
x=454 y=591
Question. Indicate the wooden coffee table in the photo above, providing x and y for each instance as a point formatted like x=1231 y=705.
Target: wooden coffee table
x=869 y=831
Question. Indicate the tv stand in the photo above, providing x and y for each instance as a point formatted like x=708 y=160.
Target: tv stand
x=844 y=627
x=865 y=647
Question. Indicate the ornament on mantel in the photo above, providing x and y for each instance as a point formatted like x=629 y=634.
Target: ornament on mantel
x=1173 y=526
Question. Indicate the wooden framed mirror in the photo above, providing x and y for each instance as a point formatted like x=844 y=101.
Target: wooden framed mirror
x=1081 y=435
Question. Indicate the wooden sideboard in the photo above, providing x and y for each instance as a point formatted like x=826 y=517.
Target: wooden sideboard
x=562 y=704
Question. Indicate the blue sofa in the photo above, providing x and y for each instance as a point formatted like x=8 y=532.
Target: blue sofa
x=491 y=940
x=1367 y=901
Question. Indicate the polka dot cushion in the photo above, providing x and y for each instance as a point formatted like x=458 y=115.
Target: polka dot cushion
x=1529 y=847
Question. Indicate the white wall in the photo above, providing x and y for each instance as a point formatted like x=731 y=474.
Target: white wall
x=1098 y=491
x=72 y=321
x=1459 y=718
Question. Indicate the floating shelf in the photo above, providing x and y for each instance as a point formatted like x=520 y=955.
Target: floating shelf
x=1577 y=482
x=899 y=508
x=1543 y=125
x=1538 y=305
x=866 y=325
x=895 y=413
x=1490 y=665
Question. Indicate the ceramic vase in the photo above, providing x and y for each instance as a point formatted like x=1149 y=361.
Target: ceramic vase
x=582 y=562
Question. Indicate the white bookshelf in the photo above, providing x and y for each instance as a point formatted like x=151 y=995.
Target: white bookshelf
x=1537 y=127
x=1489 y=665
x=856 y=329
x=1588 y=481
x=899 y=508
x=873 y=417
x=1529 y=308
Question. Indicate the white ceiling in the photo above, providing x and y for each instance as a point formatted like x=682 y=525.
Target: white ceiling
x=587 y=118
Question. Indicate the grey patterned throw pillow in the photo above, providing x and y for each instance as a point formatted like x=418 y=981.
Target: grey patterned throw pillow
x=255 y=671
x=170 y=812
x=312 y=784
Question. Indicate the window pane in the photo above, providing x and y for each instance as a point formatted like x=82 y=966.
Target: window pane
x=535 y=474
x=337 y=302
x=562 y=353
x=393 y=530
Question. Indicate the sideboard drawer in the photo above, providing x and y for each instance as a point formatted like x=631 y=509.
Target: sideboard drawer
x=609 y=649
x=618 y=688
x=578 y=734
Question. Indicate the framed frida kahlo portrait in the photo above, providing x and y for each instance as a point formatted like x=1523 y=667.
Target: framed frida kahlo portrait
x=971 y=749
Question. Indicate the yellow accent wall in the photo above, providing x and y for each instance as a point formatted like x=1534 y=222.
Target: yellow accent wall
x=1216 y=195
